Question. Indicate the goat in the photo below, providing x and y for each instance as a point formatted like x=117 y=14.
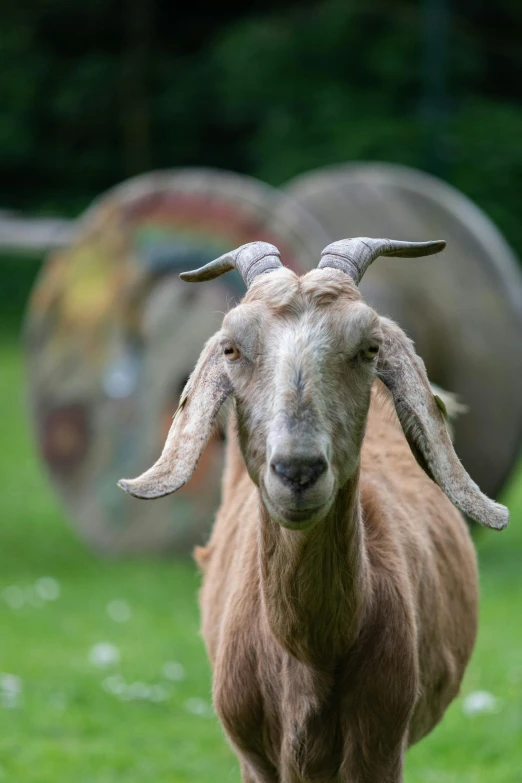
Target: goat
x=339 y=599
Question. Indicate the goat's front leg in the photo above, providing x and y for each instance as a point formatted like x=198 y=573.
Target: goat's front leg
x=371 y=763
x=256 y=773
x=361 y=769
x=247 y=775
x=377 y=716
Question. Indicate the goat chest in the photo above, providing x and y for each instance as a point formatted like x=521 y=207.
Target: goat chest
x=279 y=714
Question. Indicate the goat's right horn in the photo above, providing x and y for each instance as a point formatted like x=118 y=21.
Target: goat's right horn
x=354 y=256
x=250 y=260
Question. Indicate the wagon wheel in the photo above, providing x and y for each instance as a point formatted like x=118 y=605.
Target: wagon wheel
x=463 y=308
x=112 y=334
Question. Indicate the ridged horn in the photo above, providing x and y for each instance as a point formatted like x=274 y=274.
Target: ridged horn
x=354 y=256
x=250 y=260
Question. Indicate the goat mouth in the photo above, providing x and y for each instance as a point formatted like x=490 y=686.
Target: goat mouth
x=296 y=518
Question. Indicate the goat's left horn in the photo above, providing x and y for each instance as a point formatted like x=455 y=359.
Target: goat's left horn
x=354 y=256
x=250 y=260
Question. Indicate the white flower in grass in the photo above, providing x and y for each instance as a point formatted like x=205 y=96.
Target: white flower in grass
x=10 y=690
x=481 y=703
x=114 y=684
x=14 y=596
x=173 y=670
x=32 y=597
x=158 y=693
x=119 y=611
x=199 y=707
x=47 y=588
x=138 y=690
x=104 y=654
x=135 y=691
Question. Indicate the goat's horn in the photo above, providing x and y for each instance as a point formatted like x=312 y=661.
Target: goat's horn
x=354 y=256
x=250 y=260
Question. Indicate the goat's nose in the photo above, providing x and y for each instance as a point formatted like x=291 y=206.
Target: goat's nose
x=298 y=472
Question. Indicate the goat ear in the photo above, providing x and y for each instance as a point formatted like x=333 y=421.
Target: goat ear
x=424 y=425
x=203 y=396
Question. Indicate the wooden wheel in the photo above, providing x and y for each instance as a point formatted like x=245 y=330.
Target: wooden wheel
x=112 y=334
x=463 y=308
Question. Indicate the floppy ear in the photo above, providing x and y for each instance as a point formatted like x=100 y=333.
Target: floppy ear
x=403 y=372
x=203 y=396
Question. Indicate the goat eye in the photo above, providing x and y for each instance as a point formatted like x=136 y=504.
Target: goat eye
x=231 y=353
x=370 y=352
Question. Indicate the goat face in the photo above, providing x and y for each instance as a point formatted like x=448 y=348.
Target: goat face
x=301 y=358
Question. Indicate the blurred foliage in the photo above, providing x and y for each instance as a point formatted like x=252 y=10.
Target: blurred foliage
x=16 y=278
x=92 y=93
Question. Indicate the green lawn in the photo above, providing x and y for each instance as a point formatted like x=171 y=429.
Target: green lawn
x=67 y=724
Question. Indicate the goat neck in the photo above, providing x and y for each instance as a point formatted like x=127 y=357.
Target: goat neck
x=315 y=583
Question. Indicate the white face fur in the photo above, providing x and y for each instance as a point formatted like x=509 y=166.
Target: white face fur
x=301 y=358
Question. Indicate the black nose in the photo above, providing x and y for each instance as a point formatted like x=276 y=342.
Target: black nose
x=298 y=473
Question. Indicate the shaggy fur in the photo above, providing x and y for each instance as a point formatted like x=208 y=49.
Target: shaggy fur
x=338 y=617
x=335 y=648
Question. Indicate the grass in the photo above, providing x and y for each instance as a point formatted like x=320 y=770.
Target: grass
x=67 y=728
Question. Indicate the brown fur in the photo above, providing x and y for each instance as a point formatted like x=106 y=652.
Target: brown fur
x=335 y=648
x=339 y=615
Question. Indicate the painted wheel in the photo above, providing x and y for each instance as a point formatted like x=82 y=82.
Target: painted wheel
x=463 y=308
x=112 y=335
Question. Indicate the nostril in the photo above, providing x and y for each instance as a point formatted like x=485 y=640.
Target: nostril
x=299 y=473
